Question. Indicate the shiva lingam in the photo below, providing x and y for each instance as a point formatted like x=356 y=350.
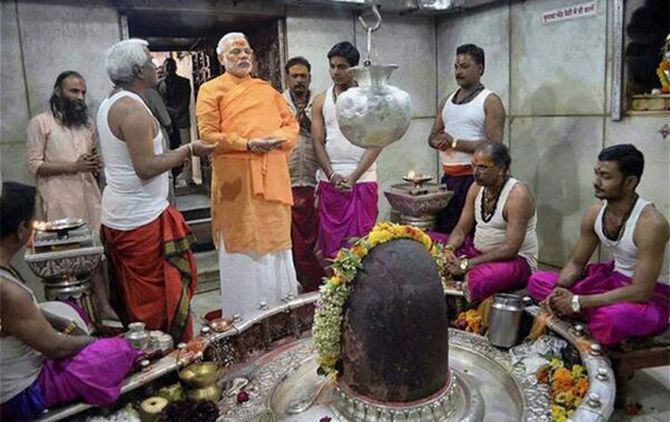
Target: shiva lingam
x=374 y=113
x=403 y=365
x=64 y=253
x=418 y=200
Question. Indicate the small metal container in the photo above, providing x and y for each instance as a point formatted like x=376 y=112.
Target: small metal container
x=137 y=335
x=505 y=320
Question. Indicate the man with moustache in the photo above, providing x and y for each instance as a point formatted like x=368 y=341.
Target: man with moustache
x=347 y=191
x=501 y=210
x=61 y=150
x=251 y=187
x=61 y=147
x=628 y=297
x=470 y=115
x=146 y=239
x=302 y=167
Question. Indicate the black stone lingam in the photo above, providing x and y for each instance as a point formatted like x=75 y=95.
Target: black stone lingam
x=395 y=345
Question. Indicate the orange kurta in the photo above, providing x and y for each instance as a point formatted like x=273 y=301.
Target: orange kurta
x=251 y=193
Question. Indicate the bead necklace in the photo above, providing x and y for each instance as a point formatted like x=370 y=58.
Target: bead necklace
x=616 y=236
x=487 y=214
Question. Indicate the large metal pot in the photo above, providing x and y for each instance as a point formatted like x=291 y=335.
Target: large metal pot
x=373 y=114
x=505 y=319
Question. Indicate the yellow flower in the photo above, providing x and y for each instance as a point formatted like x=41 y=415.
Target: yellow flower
x=359 y=251
x=335 y=280
x=332 y=377
x=377 y=237
x=327 y=360
x=558 y=413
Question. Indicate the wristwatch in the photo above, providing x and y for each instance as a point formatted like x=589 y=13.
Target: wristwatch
x=576 y=307
x=464 y=264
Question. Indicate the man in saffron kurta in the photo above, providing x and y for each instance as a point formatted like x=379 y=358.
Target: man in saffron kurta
x=251 y=187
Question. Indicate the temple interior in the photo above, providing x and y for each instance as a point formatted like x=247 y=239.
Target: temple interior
x=573 y=77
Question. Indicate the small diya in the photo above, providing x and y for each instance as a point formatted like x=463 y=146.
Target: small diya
x=417 y=179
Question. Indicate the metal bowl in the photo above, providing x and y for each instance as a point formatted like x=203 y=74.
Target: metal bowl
x=200 y=375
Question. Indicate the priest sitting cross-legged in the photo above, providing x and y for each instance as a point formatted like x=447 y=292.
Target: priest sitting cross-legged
x=46 y=360
x=629 y=296
x=503 y=253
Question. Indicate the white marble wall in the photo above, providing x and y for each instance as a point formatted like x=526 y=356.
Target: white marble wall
x=311 y=33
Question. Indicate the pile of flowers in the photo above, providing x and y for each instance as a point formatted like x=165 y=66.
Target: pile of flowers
x=471 y=321
x=329 y=314
x=567 y=387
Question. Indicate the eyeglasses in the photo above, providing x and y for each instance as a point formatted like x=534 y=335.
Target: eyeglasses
x=238 y=51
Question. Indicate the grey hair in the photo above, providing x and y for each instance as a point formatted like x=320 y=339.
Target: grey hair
x=220 y=47
x=121 y=58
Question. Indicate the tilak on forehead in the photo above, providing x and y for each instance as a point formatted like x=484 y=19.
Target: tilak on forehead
x=238 y=42
x=298 y=68
x=483 y=161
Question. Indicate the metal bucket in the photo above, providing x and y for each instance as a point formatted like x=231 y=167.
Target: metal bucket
x=505 y=319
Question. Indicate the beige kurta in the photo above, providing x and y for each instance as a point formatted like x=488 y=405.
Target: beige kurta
x=67 y=195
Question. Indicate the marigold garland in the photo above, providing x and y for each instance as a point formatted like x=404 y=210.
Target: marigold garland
x=333 y=294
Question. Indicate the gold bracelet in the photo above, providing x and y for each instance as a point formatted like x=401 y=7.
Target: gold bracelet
x=454 y=142
x=450 y=247
x=70 y=328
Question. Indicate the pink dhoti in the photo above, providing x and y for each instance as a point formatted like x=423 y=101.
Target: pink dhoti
x=343 y=215
x=611 y=324
x=94 y=375
x=487 y=279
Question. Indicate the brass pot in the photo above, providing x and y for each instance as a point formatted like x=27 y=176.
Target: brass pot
x=209 y=393
x=200 y=375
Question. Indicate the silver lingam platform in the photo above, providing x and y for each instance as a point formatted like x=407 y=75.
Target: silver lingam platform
x=281 y=379
x=270 y=355
x=418 y=201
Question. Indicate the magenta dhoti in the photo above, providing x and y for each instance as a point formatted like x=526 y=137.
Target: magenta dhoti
x=343 y=215
x=94 y=375
x=611 y=324
x=487 y=279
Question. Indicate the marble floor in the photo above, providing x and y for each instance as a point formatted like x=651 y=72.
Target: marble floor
x=650 y=387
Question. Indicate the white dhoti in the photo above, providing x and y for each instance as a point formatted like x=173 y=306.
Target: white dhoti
x=251 y=278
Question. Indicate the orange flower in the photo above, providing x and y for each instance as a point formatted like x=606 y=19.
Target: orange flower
x=582 y=387
x=359 y=251
x=562 y=380
x=543 y=374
